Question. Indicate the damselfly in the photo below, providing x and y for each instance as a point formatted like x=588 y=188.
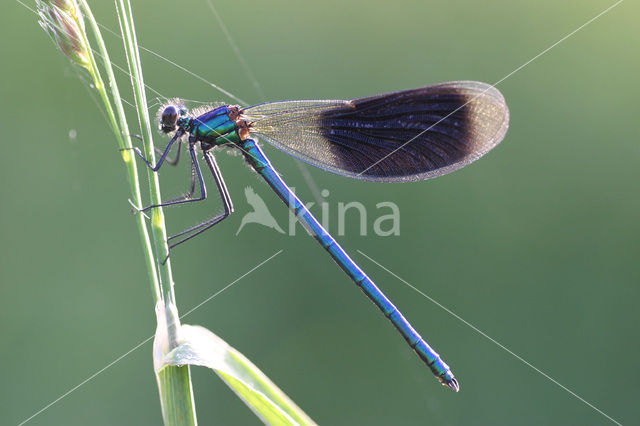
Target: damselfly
x=395 y=137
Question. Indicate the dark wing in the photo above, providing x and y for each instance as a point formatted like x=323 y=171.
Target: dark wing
x=394 y=137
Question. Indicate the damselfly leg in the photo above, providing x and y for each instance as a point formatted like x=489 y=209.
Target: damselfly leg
x=196 y=174
x=164 y=155
x=224 y=195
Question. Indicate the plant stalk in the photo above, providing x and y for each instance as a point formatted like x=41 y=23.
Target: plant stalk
x=174 y=383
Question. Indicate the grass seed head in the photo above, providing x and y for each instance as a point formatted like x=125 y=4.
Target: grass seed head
x=62 y=20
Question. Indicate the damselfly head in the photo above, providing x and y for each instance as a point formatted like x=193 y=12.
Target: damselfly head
x=169 y=117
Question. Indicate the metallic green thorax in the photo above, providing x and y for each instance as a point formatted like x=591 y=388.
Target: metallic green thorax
x=215 y=127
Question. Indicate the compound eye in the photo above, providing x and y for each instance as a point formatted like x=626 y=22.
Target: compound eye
x=169 y=119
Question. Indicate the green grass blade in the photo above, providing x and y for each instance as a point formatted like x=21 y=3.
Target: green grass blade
x=200 y=346
x=174 y=383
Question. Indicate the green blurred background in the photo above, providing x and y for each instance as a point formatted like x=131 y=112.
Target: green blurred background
x=537 y=244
